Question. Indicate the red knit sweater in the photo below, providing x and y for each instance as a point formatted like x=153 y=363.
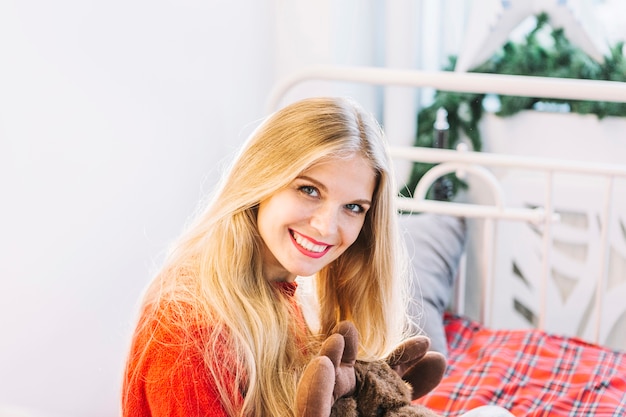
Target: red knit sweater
x=173 y=379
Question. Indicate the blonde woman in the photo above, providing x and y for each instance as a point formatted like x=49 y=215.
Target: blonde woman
x=220 y=331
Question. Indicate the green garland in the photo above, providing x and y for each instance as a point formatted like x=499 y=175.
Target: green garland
x=531 y=57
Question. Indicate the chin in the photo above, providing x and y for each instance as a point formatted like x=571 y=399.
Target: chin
x=306 y=272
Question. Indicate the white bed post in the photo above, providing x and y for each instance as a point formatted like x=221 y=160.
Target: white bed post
x=488 y=255
x=546 y=261
x=604 y=256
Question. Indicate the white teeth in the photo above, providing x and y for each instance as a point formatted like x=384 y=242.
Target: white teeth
x=308 y=245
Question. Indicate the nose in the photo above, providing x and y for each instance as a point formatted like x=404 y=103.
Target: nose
x=325 y=220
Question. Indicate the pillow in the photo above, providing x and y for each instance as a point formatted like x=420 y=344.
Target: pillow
x=435 y=244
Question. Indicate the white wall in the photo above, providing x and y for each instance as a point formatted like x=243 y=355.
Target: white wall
x=114 y=116
x=330 y=32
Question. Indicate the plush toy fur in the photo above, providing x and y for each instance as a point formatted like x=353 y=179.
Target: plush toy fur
x=379 y=392
x=336 y=384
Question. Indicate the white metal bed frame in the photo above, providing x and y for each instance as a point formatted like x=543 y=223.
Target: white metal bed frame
x=477 y=163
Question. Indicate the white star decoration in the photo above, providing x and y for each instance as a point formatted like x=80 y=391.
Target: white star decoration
x=491 y=22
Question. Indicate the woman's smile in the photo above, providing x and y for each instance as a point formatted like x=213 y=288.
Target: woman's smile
x=313 y=220
x=308 y=246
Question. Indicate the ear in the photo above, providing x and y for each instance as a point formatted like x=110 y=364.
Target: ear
x=421 y=368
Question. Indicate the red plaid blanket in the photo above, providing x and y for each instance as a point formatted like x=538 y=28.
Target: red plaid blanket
x=529 y=372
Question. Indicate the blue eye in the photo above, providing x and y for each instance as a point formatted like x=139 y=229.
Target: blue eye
x=309 y=190
x=355 y=208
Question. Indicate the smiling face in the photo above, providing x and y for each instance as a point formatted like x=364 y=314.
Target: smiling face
x=313 y=220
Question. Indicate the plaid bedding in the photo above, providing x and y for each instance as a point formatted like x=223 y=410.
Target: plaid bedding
x=528 y=372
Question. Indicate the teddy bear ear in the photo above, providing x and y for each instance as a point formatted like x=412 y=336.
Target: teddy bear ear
x=422 y=369
x=426 y=374
x=408 y=353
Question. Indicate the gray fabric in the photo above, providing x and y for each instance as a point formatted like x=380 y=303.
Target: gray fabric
x=435 y=245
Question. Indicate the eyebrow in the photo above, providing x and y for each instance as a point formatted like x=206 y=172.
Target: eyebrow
x=325 y=189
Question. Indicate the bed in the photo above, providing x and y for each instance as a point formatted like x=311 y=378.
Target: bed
x=531 y=371
x=536 y=369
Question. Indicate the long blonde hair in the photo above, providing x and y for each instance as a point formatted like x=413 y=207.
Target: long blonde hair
x=216 y=265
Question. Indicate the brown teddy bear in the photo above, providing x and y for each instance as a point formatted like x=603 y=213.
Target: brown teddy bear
x=335 y=384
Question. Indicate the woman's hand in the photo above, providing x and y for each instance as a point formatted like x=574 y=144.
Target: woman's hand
x=330 y=375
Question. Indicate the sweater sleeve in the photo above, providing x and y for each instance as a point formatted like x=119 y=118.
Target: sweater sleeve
x=171 y=378
x=166 y=375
